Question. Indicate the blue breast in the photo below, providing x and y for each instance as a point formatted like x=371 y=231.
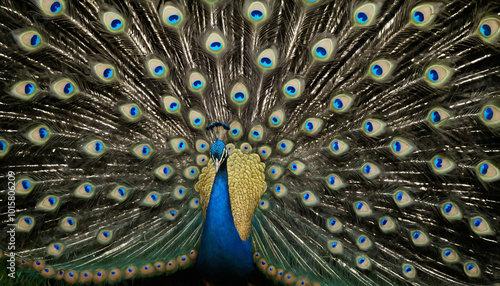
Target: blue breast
x=222 y=253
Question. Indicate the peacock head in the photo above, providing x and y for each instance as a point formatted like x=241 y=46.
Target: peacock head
x=218 y=150
x=219 y=153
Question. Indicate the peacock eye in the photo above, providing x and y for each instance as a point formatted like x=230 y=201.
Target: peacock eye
x=52 y=8
x=402 y=198
x=194 y=203
x=257 y=13
x=48 y=203
x=24 y=185
x=64 y=88
x=341 y=103
x=68 y=224
x=179 y=192
x=179 y=145
x=246 y=148
x=334 y=182
x=28 y=40
x=105 y=72
x=171 y=105
x=202 y=160
x=481 y=226
x=365 y=14
x=471 y=269
x=324 y=49
x=239 y=94
x=387 y=224
x=201 y=146
x=409 y=271
x=338 y=147
x=142 y=151
x=449 y=255
x=39 y=135
x=424 y=15
x=24 y=90
x=334 y=225
x=490 y=115
x=113 y=22
x=196 y=119
x=95 y=148
x=364 y=242
x=293 y=88
x=419 y=238
x=335 y=246
x=264 y=204
x=215 y=44
x=267 y=59
x=25 y=223
x=450 y=211
x=256 y=134
x=151 y=200
x=309 y=198
x=120 y=193
x=381 y=69
x=197 y=82
x=312 y=126
x=441 y=164
x=285 y=146
x=157 y=68
x=362 y=209
x=274 y=172
x=438 y=116
x=276 y=118
x=437 y=75
x=363 y=262
x=131 y=112
x=487 y=171
x=264 y=152
x=236 y=131
x=172 y=17
x=373 y=127
x=171 y=214
x=191 y=172
x=296 y=167
x=55 y=249
x=370 y=170
x=488 y=29
x=104 y=236
x=4 y=147
x=164 y=172
x=401 y=147
x=280 y=190
x=85 y=191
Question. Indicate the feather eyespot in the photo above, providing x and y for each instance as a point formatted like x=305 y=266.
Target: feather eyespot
x=152 y=199
x=309 y=198
x=239 y=94
x=481 y=226
x=274 y=172
x=335 y=247
x=164 y=172
x=113 y=22
x=362 y=209
x=196 y=119
x=25 y=223
x=49 y=203
x=52 y=8
x=487 y=171
x=171 y=214
x=334 y=225
x=257 y=12
x=490 y=115
x=363 y=262
x=277 y=118
x=28 y=40
x=424 y=15
x=191 y=172
x=280 y=190
x=171 y=105
x=312 y=126
x=387 y=224
x=419 y=238
x=4 y=147
x=267 y=59
x=338 y=147
x=373 y=127
x=409 y=271
x=488 y=29
x=119 y=193
x=293 y=88
x=236 y=131
x=39 y=135
x=64 y=88
x=364 y=242
x=24 y=185
x=264 y=152
x=402 y=198
x=370 y=170
x=334 y=181
x=215 y=44
x=401 y=147
x=341 y=103
x=365 y=14
x=324 y=49
x=68 y=224
x=85 y=191
x=451 y=211
x=256 y=134
x=441 y=164
x=381 y=70
x=25 y=90
x=105 y=72
x=157 y=68
x=142 y=151
x=172 y=16
x=437 y=75
x=197 y=82
x=471 y=269
x=449 y=255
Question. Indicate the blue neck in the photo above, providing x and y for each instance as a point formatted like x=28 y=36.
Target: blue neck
x=222 y=253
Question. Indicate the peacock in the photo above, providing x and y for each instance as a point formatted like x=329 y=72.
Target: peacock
x=296 y=142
